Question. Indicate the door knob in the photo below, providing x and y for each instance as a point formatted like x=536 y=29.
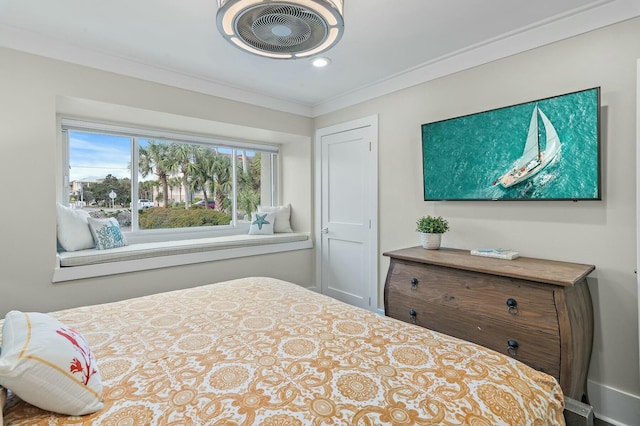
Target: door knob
x=325 y=230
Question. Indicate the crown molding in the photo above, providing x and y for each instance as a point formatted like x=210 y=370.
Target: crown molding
x=37 y=44
x=598 y=15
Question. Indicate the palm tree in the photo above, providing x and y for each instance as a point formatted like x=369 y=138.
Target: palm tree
x=222 y=180
x=200 y=171
x=249 y=185
x=244 y=161
x=248 y=201
x=184 y=155
x=145 y=189
x=155 y=159
x=255 y=170
x=174 y=182
x=154 y=185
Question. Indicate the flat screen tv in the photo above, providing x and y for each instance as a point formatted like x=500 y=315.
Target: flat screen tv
x=547 y=149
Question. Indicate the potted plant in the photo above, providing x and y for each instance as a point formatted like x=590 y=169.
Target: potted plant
x=431 y=229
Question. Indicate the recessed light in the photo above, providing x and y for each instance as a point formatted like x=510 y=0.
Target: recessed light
x=320 y=62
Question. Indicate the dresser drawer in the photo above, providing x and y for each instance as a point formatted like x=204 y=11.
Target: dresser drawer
x=540 y=350
x=542 y=305
x=508 y=299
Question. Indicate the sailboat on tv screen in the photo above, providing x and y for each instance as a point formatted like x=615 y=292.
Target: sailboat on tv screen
x=533 y=158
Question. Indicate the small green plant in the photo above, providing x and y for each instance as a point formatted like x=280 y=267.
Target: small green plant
x=432 y=225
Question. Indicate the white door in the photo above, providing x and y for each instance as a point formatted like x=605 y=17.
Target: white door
x=347 y=173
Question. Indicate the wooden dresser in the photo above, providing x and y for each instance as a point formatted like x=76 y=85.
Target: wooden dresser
x=537 y=311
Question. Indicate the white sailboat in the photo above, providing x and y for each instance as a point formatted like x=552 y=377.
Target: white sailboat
x=533 y=159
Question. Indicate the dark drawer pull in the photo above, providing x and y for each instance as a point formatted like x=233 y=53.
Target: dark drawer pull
x=414 y=283
x=412 y=316
x=512 y=306
x=512 y=347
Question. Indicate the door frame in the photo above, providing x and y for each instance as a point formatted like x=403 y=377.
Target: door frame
x=637 y=270
x=372 y=196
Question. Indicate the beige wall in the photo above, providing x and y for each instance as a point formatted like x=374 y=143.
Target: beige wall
x=32 y=90
x=602 y=233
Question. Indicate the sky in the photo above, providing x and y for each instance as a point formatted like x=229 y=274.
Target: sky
x=95 y=156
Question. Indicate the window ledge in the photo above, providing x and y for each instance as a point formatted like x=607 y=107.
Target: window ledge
x=144 y=256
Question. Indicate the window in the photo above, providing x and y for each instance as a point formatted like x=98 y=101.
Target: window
x=154 y=181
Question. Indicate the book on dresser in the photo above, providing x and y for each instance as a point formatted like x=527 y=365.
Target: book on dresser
x=498 y=253
x=536 y=310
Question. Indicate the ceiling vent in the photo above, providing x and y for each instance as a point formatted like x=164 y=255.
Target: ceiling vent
x=281 y=29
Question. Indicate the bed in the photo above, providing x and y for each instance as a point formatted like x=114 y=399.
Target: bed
x=261 y=351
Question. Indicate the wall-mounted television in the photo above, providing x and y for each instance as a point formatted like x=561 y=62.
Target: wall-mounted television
x=546 y=149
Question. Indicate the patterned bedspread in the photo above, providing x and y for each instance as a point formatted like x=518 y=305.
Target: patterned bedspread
x=260 y=351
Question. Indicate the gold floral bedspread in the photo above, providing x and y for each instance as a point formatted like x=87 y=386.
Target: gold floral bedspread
x=260 y=351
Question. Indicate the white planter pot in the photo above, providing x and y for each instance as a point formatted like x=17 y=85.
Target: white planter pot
x=430 y=241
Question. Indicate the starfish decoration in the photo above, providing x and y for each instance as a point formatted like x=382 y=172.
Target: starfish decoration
x=260 y=220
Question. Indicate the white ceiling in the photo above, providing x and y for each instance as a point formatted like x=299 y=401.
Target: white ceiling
x=387 y=45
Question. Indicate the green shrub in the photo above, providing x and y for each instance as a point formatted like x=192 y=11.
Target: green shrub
x=160 y=217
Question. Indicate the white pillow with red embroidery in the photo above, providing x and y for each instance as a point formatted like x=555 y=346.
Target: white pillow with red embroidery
x=49 y=365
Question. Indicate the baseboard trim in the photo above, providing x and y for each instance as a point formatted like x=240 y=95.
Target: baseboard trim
x=613 y=405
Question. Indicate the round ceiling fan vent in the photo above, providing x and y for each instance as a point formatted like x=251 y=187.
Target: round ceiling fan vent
x=281 y=29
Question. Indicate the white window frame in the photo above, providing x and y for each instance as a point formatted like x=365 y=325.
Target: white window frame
x=138 y=236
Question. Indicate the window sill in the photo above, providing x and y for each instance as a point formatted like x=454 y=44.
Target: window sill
x=145 y=256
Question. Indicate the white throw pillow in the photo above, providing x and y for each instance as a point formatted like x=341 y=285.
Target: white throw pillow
x=73 y=229
x=49 y=365
x=262 y=223
x=107 y=233
x=283 y=217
